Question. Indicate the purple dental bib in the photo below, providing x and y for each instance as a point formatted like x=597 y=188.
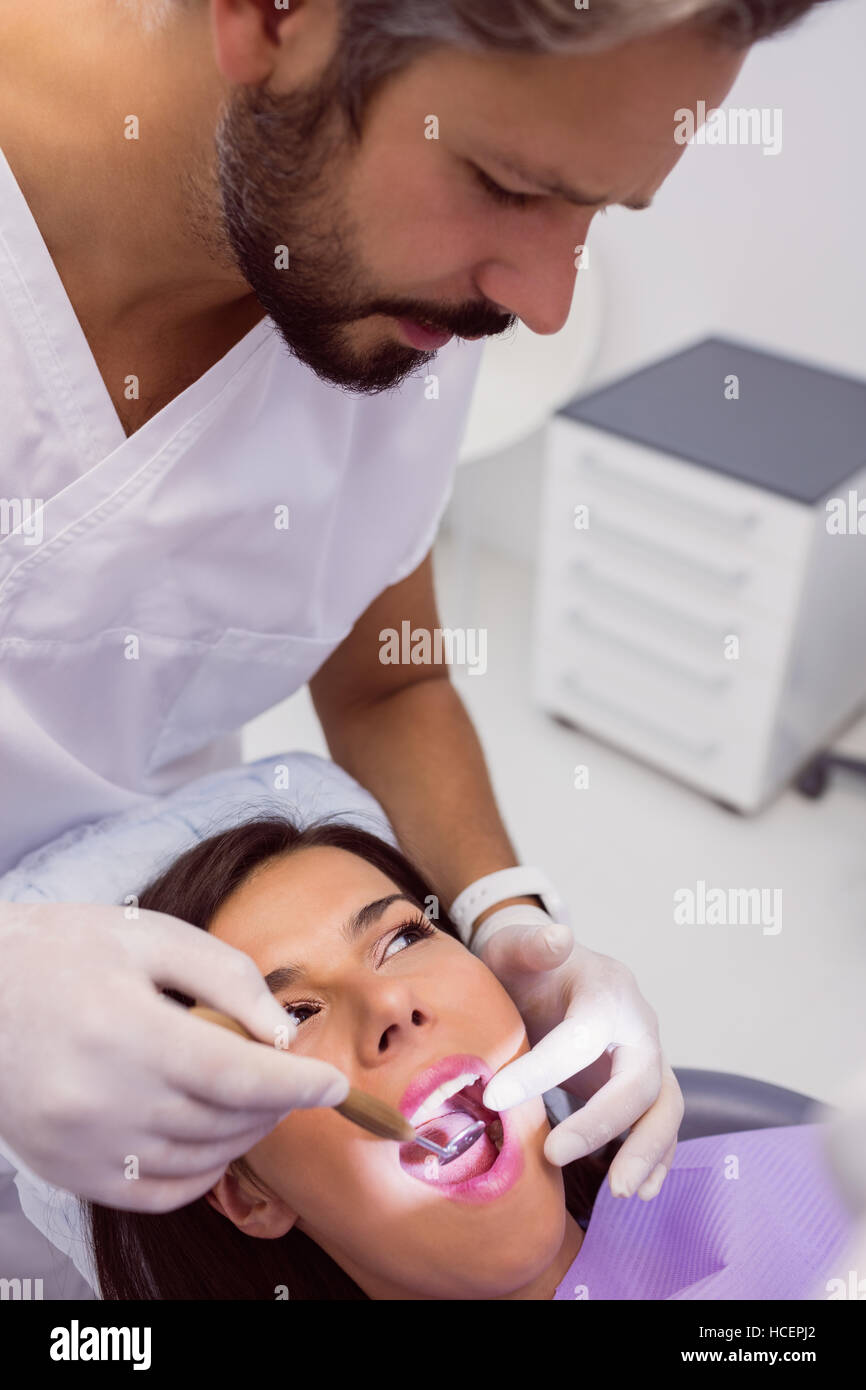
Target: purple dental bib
x=753 y=1215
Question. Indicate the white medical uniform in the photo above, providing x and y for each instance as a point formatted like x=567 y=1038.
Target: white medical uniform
x=166 y=604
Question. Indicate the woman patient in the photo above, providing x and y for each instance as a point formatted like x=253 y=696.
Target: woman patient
x=335 y=920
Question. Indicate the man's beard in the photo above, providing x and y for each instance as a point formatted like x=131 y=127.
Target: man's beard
x=279 y=162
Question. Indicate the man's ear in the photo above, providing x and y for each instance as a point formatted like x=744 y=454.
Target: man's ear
x=252 y=1209
x=246 y=37
x=253 y=39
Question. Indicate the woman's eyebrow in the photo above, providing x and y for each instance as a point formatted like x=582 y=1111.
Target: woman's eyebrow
x=285 y=975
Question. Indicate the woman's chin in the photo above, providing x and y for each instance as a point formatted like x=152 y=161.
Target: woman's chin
x=466 y=1246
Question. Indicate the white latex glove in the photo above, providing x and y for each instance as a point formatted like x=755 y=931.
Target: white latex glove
x=98 y=1067
x=845 y=1139
x=591 y=1032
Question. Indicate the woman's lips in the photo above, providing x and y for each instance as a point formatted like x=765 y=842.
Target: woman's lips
x=446 y=1070
x=468 y=1185
x=482 y=1173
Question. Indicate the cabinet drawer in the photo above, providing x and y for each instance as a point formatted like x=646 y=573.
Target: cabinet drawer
x=675 y=632
x=691 y=509
x=715 y=739
x=664 y=564
x=711 y=703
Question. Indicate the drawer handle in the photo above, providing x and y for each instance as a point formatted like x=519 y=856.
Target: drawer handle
x=658 y=656
x=732 y=578
x=607 y=474
x=710 y=631
x=698 y=747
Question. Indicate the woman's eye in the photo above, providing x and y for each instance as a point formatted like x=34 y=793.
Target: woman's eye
x=299 y=1009
x=414 y=931
x=411 y=932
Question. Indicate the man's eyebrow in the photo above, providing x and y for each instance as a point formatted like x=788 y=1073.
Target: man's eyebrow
x=551 y=184
x=285 y=975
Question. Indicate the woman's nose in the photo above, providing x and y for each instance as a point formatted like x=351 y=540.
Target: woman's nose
x=390 y=1015
x=389 y=1035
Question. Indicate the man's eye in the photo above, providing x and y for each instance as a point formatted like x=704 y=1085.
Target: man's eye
x=503 y=195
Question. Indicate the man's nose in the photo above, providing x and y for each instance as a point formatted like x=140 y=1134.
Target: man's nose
x=535 y=279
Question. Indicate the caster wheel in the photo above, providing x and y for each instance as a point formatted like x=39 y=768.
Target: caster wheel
x=812 y=781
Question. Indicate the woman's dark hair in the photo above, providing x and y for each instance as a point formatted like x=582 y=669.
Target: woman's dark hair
x=194 y=1252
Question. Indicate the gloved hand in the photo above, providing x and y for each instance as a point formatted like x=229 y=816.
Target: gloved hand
x=845 y=1142
x=591 y=1032
x=845 y=1139
x=99 y=1069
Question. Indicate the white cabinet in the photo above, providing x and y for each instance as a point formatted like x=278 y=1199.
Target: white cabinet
x=707 y=624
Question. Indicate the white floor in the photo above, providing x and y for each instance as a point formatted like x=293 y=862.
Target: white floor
x=788 y=1008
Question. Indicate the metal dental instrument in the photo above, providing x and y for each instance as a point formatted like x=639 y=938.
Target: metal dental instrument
x=372 y=1114
x=458 y=1145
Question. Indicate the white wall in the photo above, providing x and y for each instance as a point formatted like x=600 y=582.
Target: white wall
x=765 y=248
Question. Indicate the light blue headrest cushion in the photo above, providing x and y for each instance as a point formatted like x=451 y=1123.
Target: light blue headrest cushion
x=110 y=859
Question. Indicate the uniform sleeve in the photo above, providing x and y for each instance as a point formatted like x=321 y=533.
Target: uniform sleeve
x=457 y=380
x=56 y=1215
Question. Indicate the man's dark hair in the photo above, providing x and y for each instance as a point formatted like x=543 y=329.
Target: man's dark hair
x=381 y=37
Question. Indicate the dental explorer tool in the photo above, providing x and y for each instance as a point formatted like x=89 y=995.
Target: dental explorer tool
x=372 y=1114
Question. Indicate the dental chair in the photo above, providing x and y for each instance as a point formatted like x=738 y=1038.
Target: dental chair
x=720 y=1102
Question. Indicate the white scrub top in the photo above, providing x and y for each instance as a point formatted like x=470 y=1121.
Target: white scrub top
x=166 y=602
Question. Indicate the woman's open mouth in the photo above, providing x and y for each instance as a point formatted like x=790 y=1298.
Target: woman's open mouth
x=491 y=1165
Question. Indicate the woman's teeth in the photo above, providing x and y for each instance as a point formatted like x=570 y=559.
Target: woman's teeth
x=494 y=1129
x=431 y=1106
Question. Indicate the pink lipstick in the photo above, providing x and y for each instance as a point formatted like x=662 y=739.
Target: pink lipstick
x=439 y=1103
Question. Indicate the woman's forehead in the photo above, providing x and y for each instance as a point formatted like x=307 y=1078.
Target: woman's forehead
x=299 y=899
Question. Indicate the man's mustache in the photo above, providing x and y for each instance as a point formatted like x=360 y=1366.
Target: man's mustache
x=461 y=324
